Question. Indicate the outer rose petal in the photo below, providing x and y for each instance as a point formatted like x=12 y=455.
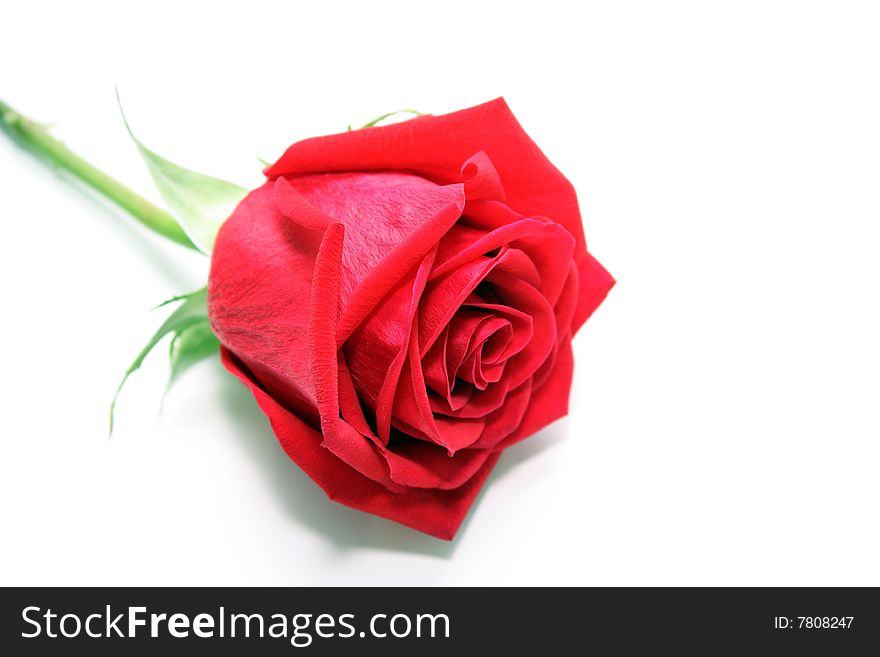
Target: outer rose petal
x=595 y=284
x=435 y=512
x=391 y=220
x=438 y=146
x=258 y=290
x=263 y=261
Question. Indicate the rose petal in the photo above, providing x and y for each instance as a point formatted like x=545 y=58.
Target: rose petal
x=417 y=464
x=506 y=419
x=392 y=220
x=524 y=297
x=444 y=296
x=464 y=243
x=568 y=300
x=437 y=376
x=294 y=205
x=350 y=406
x=564 y=312
x=436 y=146
x=338 y=436
x=479 y=405
x=595 y=284
x=549 y=402
x=376 y=351
x=538 y=251
x=385 y=402
x=548 y=245
x=412 y=408
x=481 y=180
x=435 y=512
x=522 y=326
x=264 y=323
x=469 y=366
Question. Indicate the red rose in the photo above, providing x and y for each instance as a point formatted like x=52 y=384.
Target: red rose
x=401 y=301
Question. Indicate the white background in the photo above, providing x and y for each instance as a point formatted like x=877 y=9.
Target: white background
x=724 y=425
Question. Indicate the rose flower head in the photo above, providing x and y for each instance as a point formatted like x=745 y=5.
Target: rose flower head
x=400 y=300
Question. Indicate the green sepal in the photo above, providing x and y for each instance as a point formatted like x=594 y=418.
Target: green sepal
x=388 y=115
x=192 y=339
x=199 y=203
x=189 y=346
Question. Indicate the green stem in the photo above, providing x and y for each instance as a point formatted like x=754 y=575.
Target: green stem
x=36 y=138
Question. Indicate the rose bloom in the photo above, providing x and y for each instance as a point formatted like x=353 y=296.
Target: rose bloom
x=401 y=302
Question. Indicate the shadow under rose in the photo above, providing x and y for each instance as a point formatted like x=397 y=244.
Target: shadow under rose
x=347 y=528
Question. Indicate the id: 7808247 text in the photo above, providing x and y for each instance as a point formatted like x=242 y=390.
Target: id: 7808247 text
x=812 y=622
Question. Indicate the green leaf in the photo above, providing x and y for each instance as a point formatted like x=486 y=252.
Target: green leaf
x=191 y=314
x=191 y=345
x=379 y=119
x=199 y=203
